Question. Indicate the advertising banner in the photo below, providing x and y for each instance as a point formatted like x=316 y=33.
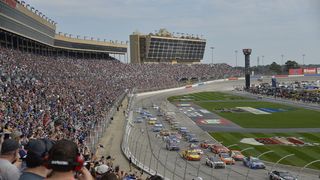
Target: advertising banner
x=296 y=71
x=11 y=3
x=318 y=70
x=309 y=71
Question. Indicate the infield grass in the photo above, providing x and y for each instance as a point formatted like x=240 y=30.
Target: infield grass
x=206 y=96
x=292 y=117
x=303 y=155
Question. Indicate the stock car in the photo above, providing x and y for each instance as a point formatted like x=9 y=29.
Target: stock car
x=191 y=155
x=164 y=132
x=219 y=148
x=236 y=155
x=192 y=138
x=196 y=148
x=152 y=122
x=253 y=163
x=138 y=120
x=205 y=144
x=226 y=158
x=172 y=145
x=170 y=138
x=215 y=162
x=281 y=175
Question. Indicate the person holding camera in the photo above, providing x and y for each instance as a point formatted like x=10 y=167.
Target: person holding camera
x=66 y=163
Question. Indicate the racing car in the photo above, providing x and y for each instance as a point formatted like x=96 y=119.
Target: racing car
x=215 y=162
x=281 y=175
x=236 y=155
x=226 y=158
x=253 y=163
x=219 y=148
x=191 y=155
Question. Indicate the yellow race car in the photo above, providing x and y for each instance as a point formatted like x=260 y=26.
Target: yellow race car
x=152 y=122
x=191 y=155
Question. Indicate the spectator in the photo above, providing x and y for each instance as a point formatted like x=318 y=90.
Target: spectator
x=8 y=160
x=65 y=162
x=36 y=156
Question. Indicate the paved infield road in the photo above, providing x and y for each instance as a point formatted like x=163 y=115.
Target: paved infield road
x=150 y=149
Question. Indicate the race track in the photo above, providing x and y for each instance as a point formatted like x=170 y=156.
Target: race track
x=150 y=150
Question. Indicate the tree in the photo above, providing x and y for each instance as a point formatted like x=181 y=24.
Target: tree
x=275 y=68
x=291 y=65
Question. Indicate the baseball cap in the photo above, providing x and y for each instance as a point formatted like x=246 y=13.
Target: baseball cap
x=9 y=145
x=102 y=169
x=39 y=146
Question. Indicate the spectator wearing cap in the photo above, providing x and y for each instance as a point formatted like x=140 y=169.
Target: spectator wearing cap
x=37 y=153
x=101 y=170
x=8 y=160
x=65 y=162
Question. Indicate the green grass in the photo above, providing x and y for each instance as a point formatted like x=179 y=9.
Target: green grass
x=303 y=155
x=205 y=96
x=292 y=118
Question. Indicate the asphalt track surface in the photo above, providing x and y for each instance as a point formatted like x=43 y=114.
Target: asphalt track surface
x=150 y=149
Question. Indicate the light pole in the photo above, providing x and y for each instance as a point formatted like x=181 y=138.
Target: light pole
x=267 y=152
x=236 y=52
x=243 y=150
x=303 y=55
x=262 y=60
x=307 y=166
x=212 y=48
x=281 y=59
x=289 y=155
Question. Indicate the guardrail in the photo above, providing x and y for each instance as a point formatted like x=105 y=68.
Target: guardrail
x=125 y=140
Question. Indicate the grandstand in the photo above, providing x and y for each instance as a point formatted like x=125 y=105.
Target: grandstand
x=26 y=29
x=55 y=86
x=164 y=47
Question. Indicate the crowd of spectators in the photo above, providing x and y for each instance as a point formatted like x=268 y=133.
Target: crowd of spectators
x=58 y=98
x=307 y=92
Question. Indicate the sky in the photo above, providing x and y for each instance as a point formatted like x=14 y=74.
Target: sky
x=271 y=28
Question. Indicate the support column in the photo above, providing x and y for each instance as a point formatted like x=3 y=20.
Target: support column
x=247 y=53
